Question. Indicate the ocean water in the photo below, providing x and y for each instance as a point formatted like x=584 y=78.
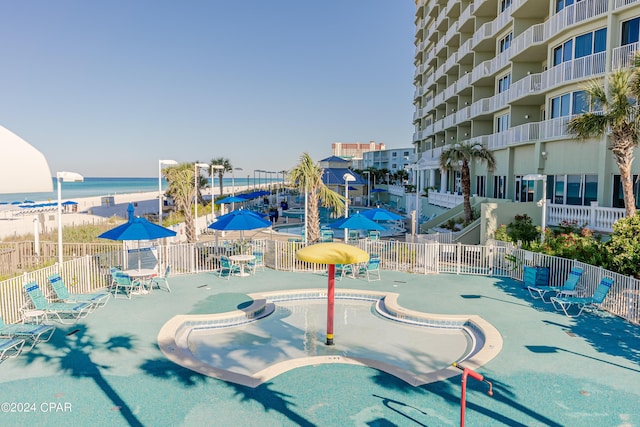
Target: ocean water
x=97 y=187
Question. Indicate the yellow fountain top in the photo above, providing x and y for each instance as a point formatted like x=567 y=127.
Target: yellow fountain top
x=332 y=253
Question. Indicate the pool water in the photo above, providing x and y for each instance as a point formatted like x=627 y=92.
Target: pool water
x=297 y=330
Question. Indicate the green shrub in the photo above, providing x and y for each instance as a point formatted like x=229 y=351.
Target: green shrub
x=522 y=229
x=624 y=246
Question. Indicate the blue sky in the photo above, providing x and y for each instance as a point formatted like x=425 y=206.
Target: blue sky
x=106 y=88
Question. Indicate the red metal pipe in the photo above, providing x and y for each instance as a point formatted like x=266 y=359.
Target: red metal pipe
x=330 y=303
x=466 y=372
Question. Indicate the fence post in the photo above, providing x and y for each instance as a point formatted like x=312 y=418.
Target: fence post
x=491 y=255
x=458 y=256
x=592 y=215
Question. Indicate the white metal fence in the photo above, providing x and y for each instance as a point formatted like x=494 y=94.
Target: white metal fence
x=500 y=259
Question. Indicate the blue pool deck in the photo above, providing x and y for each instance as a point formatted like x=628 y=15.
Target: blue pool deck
x=107 y=370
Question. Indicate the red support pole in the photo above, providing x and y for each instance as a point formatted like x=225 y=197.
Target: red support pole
x=330 y=303
x=466 y=372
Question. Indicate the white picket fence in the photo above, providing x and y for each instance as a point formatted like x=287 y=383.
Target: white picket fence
x=87 y=273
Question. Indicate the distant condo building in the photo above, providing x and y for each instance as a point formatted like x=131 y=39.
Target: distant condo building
x=510 y=74
x=354 y=150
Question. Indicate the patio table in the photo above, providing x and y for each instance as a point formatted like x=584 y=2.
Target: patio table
x=144 y=275
x=242 y=261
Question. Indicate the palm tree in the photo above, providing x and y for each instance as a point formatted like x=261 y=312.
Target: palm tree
x=617 y=113
x=458 y=156
x=181 y=189
x=226 y=167
x=307 y=178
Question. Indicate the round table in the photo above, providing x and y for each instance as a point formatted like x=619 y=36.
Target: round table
x=34 y=316
x=143 y=275
x=242 y=261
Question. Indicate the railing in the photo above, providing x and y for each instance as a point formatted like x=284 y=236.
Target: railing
x=445 y=200
x=86 y=274
x=594 y=217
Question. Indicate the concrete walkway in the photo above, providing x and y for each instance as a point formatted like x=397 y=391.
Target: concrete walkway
x=108 y=371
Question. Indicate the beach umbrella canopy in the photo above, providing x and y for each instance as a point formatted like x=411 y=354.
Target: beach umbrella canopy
x=380 y=214
x=231 y=199
x=137 y=229
x=240 y=219
x=378 y=190
x=23 y=169
x=69 y=202
x=357 y=222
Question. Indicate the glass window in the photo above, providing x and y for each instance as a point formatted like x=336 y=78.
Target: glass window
x=590 y=189
x=480 y=185
x=630 y=31
x=618 y=195
x=505 y=42
x=600 y=41
x=557 y=56
x=504 y=83
x=584 y=45
x=574 y=189
x=504 y=4
x=558 y=191
x=499 y=187
x=567 y=51
x=580 y=102
x=502 y=123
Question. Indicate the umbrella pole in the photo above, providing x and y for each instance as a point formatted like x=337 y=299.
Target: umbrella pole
x=330 y=303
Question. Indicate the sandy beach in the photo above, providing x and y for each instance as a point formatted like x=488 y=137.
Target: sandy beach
x=89 y=210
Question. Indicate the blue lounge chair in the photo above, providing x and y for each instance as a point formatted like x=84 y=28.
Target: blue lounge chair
x=227 y=267
x=344 y=270
x=63 y=311
x=10 y=347
x=33 y=333
x=593 y=302
x=97 y=299
x=164 y=280
x=569 y=286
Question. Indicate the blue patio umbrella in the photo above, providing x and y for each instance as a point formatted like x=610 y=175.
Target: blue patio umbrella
x=357 y=222
x=239 y=220
x=380 y=214
x=231 y=199
x=69 y=202
x=137 y=229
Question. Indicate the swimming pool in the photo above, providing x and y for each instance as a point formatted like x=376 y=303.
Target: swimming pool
x=285 y=330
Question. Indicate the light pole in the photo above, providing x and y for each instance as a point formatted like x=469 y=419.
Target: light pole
x=66 y=177
x=196 y=175
x=543 y=202
x=368 y=186
x=214 y=167
x=160 y=192
x=233 y=186
x=347 y=179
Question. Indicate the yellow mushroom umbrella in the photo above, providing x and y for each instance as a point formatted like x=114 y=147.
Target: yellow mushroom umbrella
x=332 y=254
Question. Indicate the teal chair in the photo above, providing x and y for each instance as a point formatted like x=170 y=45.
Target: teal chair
x=161 y=280
x=63 y=311
x=593 y=302
x=570 y=286
x=371 y=270
x=227 y=267
x=97 y=299
x=33 y=333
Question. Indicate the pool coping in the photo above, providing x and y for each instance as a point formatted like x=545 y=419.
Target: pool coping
x=172 y=340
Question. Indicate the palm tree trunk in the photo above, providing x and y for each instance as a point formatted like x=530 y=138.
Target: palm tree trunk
x=313 y=220
x=627 y=188
x=466 y=191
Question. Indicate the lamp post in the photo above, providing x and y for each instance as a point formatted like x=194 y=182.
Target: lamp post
x=66 y=177
x=368 y=186
x=347 y=179
x=233 y=186
x=160 y=192
x=214 y=167
x=196 y=175
x=543 y=202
